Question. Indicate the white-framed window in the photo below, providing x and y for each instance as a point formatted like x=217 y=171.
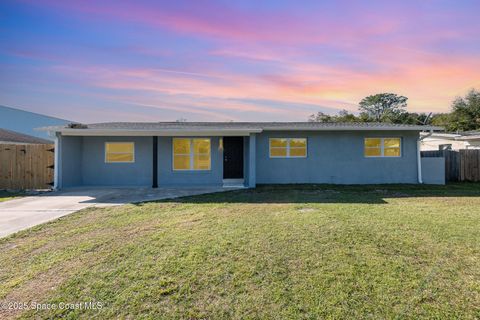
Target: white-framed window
x=191 y=154
x=288 y=147
x=119 y=152
x=382 y=147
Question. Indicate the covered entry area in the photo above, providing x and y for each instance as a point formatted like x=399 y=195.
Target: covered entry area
x=155 y=158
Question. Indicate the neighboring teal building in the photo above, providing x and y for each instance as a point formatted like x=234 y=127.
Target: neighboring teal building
x=25 y=122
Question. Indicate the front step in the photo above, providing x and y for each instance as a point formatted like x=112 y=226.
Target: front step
x=233 y=183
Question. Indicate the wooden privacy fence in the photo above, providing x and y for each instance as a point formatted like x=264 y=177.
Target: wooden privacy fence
x=463 y=165
x=27 y=166
x=469 y=165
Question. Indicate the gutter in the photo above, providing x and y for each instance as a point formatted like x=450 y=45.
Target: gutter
x=158 y=133
x=419 y=155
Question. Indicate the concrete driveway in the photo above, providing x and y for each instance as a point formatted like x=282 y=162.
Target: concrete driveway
x=23 y=213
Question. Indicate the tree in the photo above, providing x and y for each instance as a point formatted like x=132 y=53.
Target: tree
x=389 y=107
x=412 y=118
x=320 y=117
x=465 y=114
x=441 y=120
x=342 y=116
x=382 y=107
x=345 y=116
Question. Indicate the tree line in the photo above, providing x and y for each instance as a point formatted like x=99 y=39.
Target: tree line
x=391 y=108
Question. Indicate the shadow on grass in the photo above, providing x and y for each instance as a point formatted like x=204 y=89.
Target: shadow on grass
x=7 y=195
x=324 y=193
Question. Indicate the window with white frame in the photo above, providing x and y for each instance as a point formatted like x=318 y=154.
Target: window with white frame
x=288 y=147
x=382 y=147
x=118 y=152
x=191 y=154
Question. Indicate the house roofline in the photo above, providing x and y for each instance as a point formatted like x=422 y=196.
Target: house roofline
x=227 y=128
x=354 y=128
x=140 y=133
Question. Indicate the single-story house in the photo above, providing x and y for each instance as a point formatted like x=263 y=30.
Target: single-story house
x=450 y=141
x=246 y=153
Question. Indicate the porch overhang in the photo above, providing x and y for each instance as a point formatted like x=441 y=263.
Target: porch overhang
x=158 y=133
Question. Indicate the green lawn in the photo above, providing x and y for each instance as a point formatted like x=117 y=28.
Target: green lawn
x=377 y=252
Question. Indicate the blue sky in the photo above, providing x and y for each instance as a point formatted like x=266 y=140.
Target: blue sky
x=222 y=60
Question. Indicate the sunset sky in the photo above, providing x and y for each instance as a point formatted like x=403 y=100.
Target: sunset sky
x=95 y=61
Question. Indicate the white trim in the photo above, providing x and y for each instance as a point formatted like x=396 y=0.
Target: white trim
x=119 y=142
x=382 y=147
x=233 y=183
x=419 y=162
x=419 y=155
x=287 y=148
x=56 y=164
x=192 y=154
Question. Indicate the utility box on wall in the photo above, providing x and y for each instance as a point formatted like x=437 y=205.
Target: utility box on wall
x=433 y=170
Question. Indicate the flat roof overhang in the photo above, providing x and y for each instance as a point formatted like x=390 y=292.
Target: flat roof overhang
x=169 y=132
x=158 y=133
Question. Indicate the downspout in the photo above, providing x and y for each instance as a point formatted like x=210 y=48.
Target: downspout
x=155 y=162
x=56 y=163
x=419 y=155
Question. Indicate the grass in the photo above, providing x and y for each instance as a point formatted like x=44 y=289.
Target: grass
x=395 y=252
x=8 y=195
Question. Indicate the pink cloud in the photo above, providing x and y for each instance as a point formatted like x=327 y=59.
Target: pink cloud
x=203 y=95
x=431 y=82
x=293 y=56
x=219 y=21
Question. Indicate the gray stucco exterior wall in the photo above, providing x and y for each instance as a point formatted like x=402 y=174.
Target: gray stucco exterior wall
x=71 y=161
x=96 y=172
x=337 y=157
x=252 y=161
x=83 y=162
x=246 y=159
x=332 y=157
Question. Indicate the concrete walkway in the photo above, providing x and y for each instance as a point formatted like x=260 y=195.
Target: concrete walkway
x=23 y=213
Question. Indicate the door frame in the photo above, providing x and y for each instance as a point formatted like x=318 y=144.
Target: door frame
x=241 y=159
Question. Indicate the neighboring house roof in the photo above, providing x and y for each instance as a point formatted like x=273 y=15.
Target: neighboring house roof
x=473 y=132
x=461 y=136
x=469 y=137
x=8 y=136
x=233 y=128
x=439 y=135
x=26 y=122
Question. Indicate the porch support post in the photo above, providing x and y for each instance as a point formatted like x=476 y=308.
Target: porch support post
x=252 y=171
x=155 y=162
x=57 y=165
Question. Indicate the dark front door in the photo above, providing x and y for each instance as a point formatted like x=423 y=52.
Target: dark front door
x=233 y=158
